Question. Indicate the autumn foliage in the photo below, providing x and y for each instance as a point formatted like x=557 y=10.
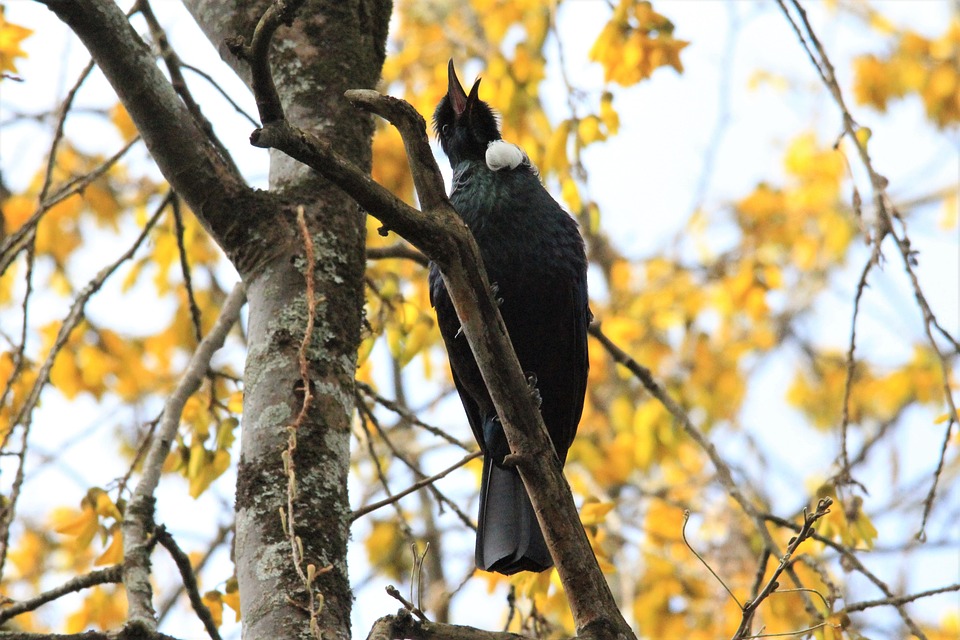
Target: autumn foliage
x=742 y=289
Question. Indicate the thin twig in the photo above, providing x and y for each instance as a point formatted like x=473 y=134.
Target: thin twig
x=397 y=251
x=182 y=561
x=393 y=592
x=844 y=476
x=407 y=415
x=772 y=584
x=18 y=354
x=443 y=500
x=364 y=413
x=206 y=76
x=724 y=473
x=414 y=487
x=928 y=501
x=14 y=243
x=58 y=132
x=92 y=579
x=683 y=534
x=171 y=600
x=173 y=63
x=851 y=558
x=899 y=600
x=24 y=416
x=179 y=230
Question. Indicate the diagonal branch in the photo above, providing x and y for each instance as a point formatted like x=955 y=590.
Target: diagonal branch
x=24 y=416
x=92 y=579
x=362 y=511
x=182 y=561
x=724 y=473
x=443 y=237
x=139 y=516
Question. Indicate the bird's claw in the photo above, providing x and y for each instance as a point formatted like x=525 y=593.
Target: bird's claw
x=532 y=385
x=495 y=291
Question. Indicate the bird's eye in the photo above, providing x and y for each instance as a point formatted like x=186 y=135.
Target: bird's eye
x=445 y=129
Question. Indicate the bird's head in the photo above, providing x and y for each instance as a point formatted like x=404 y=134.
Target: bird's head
x=464 y=123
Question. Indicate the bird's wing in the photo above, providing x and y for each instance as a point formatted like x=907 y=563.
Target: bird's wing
x=580 y=361
x=471 y=409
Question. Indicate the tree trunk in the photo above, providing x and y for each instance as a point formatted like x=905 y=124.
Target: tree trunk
x=332 y=47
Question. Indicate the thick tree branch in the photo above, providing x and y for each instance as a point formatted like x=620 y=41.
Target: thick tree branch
x=403 y=626
x=443 y=237
x=195 y=167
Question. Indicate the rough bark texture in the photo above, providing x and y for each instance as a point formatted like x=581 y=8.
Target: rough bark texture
x=331 y=47
x=335 y=45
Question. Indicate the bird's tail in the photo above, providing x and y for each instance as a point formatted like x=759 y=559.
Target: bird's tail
x=508 y=534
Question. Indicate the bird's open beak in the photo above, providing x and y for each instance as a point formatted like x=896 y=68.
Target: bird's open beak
x=458 y=97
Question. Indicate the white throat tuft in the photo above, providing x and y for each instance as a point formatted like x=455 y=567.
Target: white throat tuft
x=503 y=155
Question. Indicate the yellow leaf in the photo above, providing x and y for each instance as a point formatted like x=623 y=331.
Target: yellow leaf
x=594 y=513
x=235 y=402
x=214 y=602
x=209 y=468
x=232 y=597
x=101 y=608
x=863 y=135
x=103 y=504
x=82 y=524
x=113 y=554
x=948 y=219
x=555 y=156
x=122 y=121
x=608 y=114
x=11 y=35
x=588 y=130
x=571 y=195
x=226 y=433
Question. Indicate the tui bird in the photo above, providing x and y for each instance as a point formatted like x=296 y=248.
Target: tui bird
x=534 y=256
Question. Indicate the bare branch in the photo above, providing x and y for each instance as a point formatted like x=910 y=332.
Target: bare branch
x=18 y=240
x=24 y=416
x=851 y=559
x=139 y=516
x=415 y=486
x=407 y=415
x=844 y=474
x=928 y=501
x=92 y=579
x=772 y=584
x=399 y=455
x=189 y=580
x=404 y=626
x=397 y=251
x=899 y=600
x=393 y=592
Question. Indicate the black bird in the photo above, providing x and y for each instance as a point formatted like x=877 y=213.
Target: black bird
x=534 y=256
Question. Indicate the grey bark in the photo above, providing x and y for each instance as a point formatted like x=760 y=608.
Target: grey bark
x=332 y=47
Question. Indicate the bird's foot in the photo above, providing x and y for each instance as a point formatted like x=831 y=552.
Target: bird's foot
x=495 y=291
x=532 y=385
x=459 y=332
x=511 y=460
